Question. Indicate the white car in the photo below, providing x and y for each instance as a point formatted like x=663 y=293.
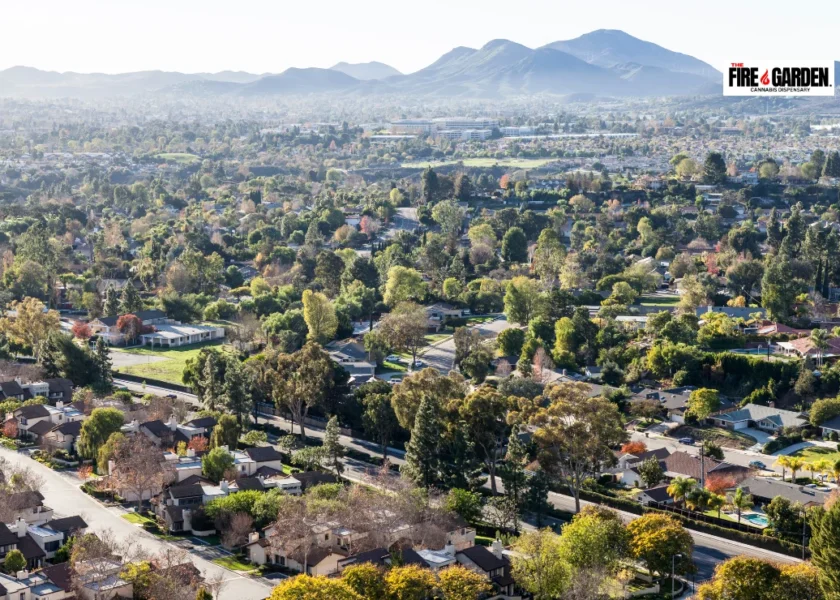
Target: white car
x=393 y=358
x=416 y=364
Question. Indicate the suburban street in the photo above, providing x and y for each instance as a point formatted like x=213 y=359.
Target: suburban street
x=61 y=492
x=442 y=355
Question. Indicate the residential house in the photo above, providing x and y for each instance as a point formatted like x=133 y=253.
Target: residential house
x=16 y=537
x=106 y=327
x=266 y=456
x=29 y=505
x=654 y=495
x=832 y=426
x=100 y=579
x=62 y=437
x=47 y=584
x=493 y=564
x=439 y=313
x=37 y=420
x=764 y=490
x=734 y=312
x=765 y=418
x=353 y=357
x=805 y=346
x=382 y=557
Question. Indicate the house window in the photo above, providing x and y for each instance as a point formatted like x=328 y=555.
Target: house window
x=52 y=546
x=23 y=420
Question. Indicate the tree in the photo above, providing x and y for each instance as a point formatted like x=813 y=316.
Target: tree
x=595 y=540
x=236 y=395
x=460 y=583
x=403 y=284
x=130 y=300
x=103 y=378
x=319 y=314
x=786 y=518
x=366 y=579
x=379 y=419
x=108 y=451
x=15 y=561
x=426 y=384
x=651 y=472
x=27 y=323
x=575 y=434
x=779 y=287
x=513 y=476
x=296 y=382
x=522 y=299
x=538 y=566
x=306 y=587
x=449 y=216
x=216 y=463
x=464 y=503
x=332 y=445
x=824 y=409
x=129 y=326
x=255 y=437
x=422 y=457
x=405 y=327
x=225 y=433
x=680 y=487
x=112 y=302
x=429 y=180
x=742 y=578
x=96 y=430
x=634 y=447
x=510 y=340
x=82 y=331
x=410 y=582
x=140 y=468
x=703 y=402
x=483 y=414
x=714 y=168
x=515 y=246
x=203 y=594
x=825 y=547
x=819 y=337
x=656 y=539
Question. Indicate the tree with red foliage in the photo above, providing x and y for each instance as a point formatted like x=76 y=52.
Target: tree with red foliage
x=719 y=483
x=198 y=443
x=635 y=448
x=81 y=330
x=10 y=429
x=504 y=181
x=130 y=326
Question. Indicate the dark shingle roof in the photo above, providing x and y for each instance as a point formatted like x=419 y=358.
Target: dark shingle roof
x=11 y=388
x=249 y=483
x=73 y=428
x=175 y=513
x=157 y=428
x=7 y=538
x=33 y=411
x=143 y=315
x=205 y=422
x=41 y=428
x=30 y=548
x=60 y=575
x=186 y=491
x=483 y=558
x=833 y=423
x=659 y=494
x=263 y=454
x=312 y=478
x=66 y=524
x=62 y=386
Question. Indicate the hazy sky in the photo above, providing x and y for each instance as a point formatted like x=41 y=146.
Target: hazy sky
x=271 y=35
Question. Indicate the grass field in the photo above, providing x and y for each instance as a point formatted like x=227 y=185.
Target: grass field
x=817 y=453
x=516 y=163
x=182 y=158
x=234 y=564
x=137 y=519
x=170 y=369
x=658 y=300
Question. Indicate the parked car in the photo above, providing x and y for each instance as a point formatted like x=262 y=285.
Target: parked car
x=687 y=440
x=393 y=358
x=172 y=396
x=395 y=380
x=416 y=364
x=757 y=464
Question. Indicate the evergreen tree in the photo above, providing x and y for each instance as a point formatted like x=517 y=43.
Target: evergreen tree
x=825 y=547
x=130 y=300
x=225 y=433
x=430 y=184
x=208 y=383
x=235 y=397
x=332 y=445
x=112 y=302
x=513 y=475
x=774 y=230
x=422 y=458
x=714 y=168
x=536 y=496
x=102 y=360
x=832 y=165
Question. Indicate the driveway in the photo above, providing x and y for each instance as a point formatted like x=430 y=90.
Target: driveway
x=442 y=355
x=62 y=493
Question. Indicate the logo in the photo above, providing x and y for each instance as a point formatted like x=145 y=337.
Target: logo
x=779 y=78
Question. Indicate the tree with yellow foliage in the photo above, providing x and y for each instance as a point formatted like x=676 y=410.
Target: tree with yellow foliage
x=410 y=582
x=305 y=587
x=459 y=583
x=28 y=323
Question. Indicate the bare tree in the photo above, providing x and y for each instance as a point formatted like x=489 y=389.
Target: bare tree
x=542 y=366
x=18 y=488
x=140 y=467
x=236 y=533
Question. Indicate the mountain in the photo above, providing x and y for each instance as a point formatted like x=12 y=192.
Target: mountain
x=611 y=47
x=300 y=81
x=366 y=71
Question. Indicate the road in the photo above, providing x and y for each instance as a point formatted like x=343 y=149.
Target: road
x=62 y=493
x=442 y=355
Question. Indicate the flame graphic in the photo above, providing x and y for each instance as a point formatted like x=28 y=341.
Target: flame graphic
x=765 y=80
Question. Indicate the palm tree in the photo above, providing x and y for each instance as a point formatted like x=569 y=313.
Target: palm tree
x=698 y=499
x=740 y=502
x=716 y=502
x=811 y=466
x=819 y=337
x=680 y=487
x=795 y=463
x=784 y=462
x=824 y=466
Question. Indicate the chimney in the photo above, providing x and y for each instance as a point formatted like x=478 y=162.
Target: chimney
x=20 y=526
x=59 y=404
x=187 y=513
x=20 y=575
x=253 y=537
x=191 y=452
x=449 y=549
x=496 y=548
x=772 y=404
x=223 y=484
x=111 y=466
x=173 y=423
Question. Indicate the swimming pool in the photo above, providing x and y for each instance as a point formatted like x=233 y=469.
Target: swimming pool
x=756 y=519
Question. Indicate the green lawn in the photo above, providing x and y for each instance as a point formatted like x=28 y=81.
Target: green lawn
x=137 y=519
x=817 y=453
x=434 y=338
x=479 y=319
x=183 y=158
x=658 y=300
x=170 y=369
x=392 y=366
x=234 y=564
x=516 y=163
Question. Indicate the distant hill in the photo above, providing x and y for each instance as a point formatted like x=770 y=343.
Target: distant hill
x=366 y=71
x=300 y=81
x=611 y=47
x=600 y=63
